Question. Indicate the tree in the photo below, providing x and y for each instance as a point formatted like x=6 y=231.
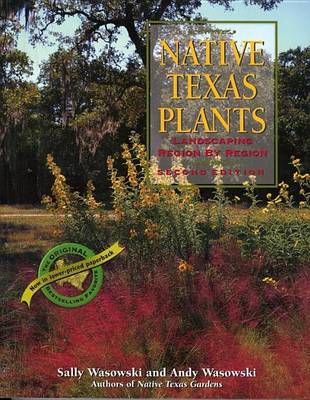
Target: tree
x=87 y=110
x=11 y=8
x=102 y=19
x=82 y=95
x=17 y=100
x=294 y=104
x=90 y=96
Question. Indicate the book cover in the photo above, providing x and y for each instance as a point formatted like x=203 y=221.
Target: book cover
x=154 y=199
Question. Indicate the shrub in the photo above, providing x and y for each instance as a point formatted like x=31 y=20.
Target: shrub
x=149 y=216
x=285 y=241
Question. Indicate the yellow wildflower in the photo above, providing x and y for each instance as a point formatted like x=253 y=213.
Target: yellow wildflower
x=185 y=266
x=297 y=177
x=133 y=234
x=252 y=179
x=151 y=230
x=270 y=281
x=90 y=199
x=60 y=189
x=110 y=163
x=283 y=185
x=148 y=197
x=126 y=153
x=182 y=267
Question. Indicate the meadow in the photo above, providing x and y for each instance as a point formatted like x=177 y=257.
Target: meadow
x=219 y=283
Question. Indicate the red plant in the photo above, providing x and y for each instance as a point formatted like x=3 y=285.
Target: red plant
x=227 y=319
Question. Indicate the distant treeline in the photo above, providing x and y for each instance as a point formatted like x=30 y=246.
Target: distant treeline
x=84 y=106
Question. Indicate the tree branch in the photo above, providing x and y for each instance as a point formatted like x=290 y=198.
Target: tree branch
x=134 y=35
x=164 y=4
x=98 y=21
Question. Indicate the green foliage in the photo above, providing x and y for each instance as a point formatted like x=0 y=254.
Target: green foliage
x=294 y=102
x=151 y=217
x=101 y=20
x=147 y=219
x=88 y=101
x=285 y=241
x=249 y=187
x=85 y=102
x=18 y=102
x=83 y=224
x=221 y=208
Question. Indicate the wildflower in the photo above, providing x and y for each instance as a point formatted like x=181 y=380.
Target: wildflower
x=265 y=210
x=252 y=179
x=181 y=179
x=47 y=201
x=269 y=195
x=133 y=233
x=131 y=173
x=246 y=183
x=218 y=179
x=148 y=197
x=126 y=153
x=302 y=204
x=218 y=158
x=217 y=164
x=185 y=266
x=182 y=266
x=297 y=177
x=296 y=162
x=283 y=191
x=283 y=185
x=118 y=213
x=186 y=201
x=270 y=281
x=190 y=268
x=191 y=207
x=110 y=163
x=90 y=199
x=60 y=189
x=151 y=230
x=237 y=198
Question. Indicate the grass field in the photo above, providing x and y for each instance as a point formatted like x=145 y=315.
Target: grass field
x=28 y=230
x=25 y=231
x=219 y=307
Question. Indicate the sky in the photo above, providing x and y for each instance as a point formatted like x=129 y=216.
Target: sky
x=293 y=18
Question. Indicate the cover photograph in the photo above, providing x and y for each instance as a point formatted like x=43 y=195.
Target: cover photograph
x=155 y=199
